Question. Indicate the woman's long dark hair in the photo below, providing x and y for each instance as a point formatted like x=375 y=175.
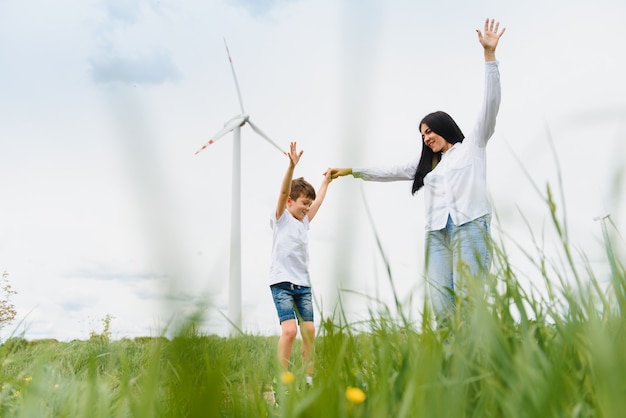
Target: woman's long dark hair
x=442 y=124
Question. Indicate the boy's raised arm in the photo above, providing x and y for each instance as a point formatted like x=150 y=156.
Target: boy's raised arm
x=285 y=186
x=320 y=194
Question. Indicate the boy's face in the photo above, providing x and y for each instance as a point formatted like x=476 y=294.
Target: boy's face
x=299 y=207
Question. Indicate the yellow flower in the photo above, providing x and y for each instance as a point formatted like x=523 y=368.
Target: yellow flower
x=287 y=377
x=355 y=395
x=28 y=379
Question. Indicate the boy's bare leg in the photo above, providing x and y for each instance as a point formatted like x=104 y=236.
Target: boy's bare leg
x=289 y=330
x=307 y=330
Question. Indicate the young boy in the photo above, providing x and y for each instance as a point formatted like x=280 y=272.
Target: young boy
x=289 y=272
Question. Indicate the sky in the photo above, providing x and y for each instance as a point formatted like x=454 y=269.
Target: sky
x=105 y=210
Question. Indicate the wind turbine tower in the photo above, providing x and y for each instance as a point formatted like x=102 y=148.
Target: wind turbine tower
x=234 y=125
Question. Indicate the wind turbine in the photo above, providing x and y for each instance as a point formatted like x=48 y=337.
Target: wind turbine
x=234 y=125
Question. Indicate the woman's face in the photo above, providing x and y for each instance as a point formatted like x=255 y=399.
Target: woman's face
x=433 y=140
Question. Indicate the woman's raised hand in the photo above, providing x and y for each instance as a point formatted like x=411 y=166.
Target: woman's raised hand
x=489 y=38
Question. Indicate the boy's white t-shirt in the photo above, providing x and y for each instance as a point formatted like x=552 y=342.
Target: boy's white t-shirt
x=290 y=250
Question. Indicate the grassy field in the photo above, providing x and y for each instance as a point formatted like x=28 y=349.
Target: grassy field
x=507 y=353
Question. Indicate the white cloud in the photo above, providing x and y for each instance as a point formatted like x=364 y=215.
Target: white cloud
x=153 y=67
x=126 y=11
x=259 y=7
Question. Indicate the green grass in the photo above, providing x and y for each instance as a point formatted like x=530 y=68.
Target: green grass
x=507 y=353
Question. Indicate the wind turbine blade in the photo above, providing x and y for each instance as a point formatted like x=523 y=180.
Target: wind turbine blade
x=232 y=68
x=229 y=126
x=267 y=138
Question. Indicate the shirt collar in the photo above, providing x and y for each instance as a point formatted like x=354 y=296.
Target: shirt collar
x=443 y=154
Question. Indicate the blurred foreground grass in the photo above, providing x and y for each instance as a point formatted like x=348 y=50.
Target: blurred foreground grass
x=507 y=353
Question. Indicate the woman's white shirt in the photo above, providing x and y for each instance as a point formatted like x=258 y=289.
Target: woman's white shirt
x=457 y=186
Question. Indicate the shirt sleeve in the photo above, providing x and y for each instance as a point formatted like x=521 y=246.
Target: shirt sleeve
x=387 y=173
x=274 y=221
x=486 y=122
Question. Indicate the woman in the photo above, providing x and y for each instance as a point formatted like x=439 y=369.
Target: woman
x=452 y=172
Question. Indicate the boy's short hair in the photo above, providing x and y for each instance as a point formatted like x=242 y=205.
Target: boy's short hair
x=301 y=187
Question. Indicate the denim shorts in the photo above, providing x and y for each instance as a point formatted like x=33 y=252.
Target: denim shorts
x=292 y=302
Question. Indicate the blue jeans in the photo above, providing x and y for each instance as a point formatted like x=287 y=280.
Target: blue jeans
x=292 y=301
x=456 y=254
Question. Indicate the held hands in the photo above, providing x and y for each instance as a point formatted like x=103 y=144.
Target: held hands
x=490 y=37
x=328 y=175
x=338 y=172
